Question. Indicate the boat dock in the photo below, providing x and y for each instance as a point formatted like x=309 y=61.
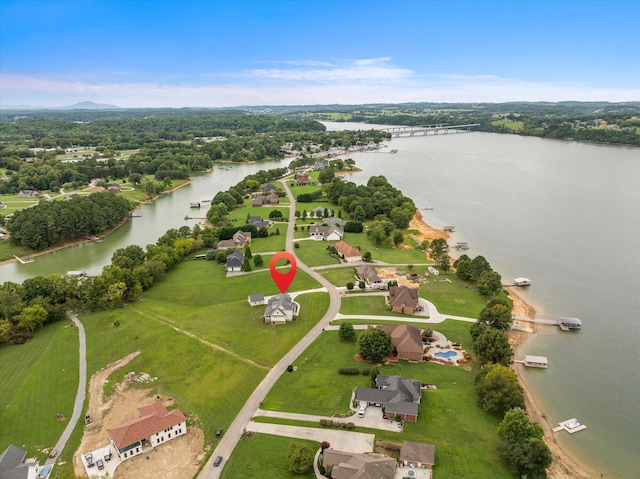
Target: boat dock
x=449 y=228
x=533 y=361
x=565 y=324
x=571 y=426
x=24 y=261
x=520 y=282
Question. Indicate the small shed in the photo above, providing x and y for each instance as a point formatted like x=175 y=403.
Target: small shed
x=256 y=299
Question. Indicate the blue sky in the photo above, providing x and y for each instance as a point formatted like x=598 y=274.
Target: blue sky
x=266 y=52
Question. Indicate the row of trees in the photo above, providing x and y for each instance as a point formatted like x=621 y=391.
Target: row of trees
x=479 y=271
x=44 y=299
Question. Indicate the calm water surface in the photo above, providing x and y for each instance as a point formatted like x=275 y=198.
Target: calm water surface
x=567 y=216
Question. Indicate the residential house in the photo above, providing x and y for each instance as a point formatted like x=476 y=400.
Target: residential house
x=369 y=275
x=399 y=396
x=258 y=222
x=280 y=309
x=406 y=341
x=14 y=465
x=154 y=426
x=239 y=240
x=258 y=201
x=350 y=465
x=402 y=299
x=327 y=233
x=319 y=165
x=256 y=299
x=302 y=179
x=235 y=261
x=114 y=188
x=348 y=253
x=417 y=454
x=269 y=188
x=29 y=193
x=72 y=196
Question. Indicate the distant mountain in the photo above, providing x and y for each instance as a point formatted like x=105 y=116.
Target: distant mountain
x=83 y=105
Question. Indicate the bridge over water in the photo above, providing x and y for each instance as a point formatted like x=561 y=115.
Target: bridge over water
x=423 y=130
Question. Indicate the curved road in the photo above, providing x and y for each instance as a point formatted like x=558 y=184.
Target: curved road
x=234 y=432
x=80 y=394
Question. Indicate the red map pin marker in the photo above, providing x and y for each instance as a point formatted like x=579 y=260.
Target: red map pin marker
x=283 y=280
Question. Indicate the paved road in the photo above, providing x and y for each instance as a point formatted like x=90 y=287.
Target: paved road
x=228 y=442
x=80 y=394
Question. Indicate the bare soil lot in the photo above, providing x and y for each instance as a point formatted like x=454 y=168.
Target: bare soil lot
x=177 y=459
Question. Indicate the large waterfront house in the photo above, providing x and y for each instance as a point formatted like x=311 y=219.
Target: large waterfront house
x=239 y=240
x=399 y=396
x=154 y=426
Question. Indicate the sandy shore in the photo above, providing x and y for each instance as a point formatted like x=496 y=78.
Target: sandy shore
x=564 y=466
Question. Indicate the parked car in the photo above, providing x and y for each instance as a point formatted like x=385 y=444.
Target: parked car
x=218 y=461
x=361 y=411
x=53 y=453
x=100 y=464
x=219 y=432
x=88 y=457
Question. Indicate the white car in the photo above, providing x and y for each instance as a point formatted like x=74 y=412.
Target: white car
x=361 y=411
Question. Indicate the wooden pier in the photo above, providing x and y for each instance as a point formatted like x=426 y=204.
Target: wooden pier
x=24 y=261
x=565 y=324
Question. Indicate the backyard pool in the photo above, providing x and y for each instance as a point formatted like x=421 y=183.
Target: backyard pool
x=446 y=354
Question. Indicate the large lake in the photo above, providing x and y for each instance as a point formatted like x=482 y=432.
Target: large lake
x=566 y=215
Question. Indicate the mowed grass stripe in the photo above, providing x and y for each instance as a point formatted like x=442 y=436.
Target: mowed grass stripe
x=208 y=383
x=29 y=397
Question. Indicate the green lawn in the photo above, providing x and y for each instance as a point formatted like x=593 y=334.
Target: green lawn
x=8 y=250
x=264 y=457
x=339 y=276
x=450 y=417
x=374 y=305
x=39 y=380
x=315 y=253
x=456 y=297
x=271 y=243
x=386 y=254
x=14 y=203
x=316 y=387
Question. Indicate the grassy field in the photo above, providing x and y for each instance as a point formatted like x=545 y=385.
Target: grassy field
x=29 y=398
x=315 y=253
x=456 y=297
x=386 y=254
x=510 y=124
x=374 y=305
x=450 y=416
x=264 y=457
x=339 y=276
x=316 y=387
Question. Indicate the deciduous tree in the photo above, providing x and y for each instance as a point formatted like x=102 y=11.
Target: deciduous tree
x=374 y=344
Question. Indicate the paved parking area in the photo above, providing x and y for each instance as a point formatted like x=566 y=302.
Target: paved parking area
x=109 y=466
x=341 y=440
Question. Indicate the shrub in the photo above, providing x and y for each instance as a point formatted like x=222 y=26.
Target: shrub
x=366 y=371
x=290 y=368
x=350 y=426
x=349 y=371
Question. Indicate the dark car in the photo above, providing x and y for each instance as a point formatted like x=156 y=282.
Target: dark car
x=219 y=432
x=218 y=461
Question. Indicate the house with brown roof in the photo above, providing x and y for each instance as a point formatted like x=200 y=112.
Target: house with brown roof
x=239 y=240
x=402 y=299
x=154 y=426
x=406 y=341
x=368 y=274
x=302 y=178
x=349 y=465
x=348 y=253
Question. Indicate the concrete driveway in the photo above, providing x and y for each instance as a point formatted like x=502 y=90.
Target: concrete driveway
x=372 y=419
x=341 y=440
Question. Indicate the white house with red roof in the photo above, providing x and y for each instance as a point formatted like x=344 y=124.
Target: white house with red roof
x=155 y=426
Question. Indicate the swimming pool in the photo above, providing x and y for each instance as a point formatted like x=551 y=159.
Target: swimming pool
x=445 y=355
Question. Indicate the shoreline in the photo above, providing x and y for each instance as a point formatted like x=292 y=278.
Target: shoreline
x=564 y=465
x=79 y=241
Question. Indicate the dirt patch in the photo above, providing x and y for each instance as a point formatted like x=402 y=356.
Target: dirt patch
x=426 y=232
x=176 y=459
x=389 y=273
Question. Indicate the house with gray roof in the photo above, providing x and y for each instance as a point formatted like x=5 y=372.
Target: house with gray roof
x=417 y=454
x=235 y=261
x=399 y=396
x=13 y=464
x=258 y=222
x=349 y=465
x=368 y=274
x=256 y=299
x=326 y=233
x=239 y=240
x=280 y=309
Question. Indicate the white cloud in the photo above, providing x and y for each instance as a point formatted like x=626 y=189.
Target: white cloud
x=373 y=80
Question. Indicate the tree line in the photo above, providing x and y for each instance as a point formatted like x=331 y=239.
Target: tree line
x=51 y=222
